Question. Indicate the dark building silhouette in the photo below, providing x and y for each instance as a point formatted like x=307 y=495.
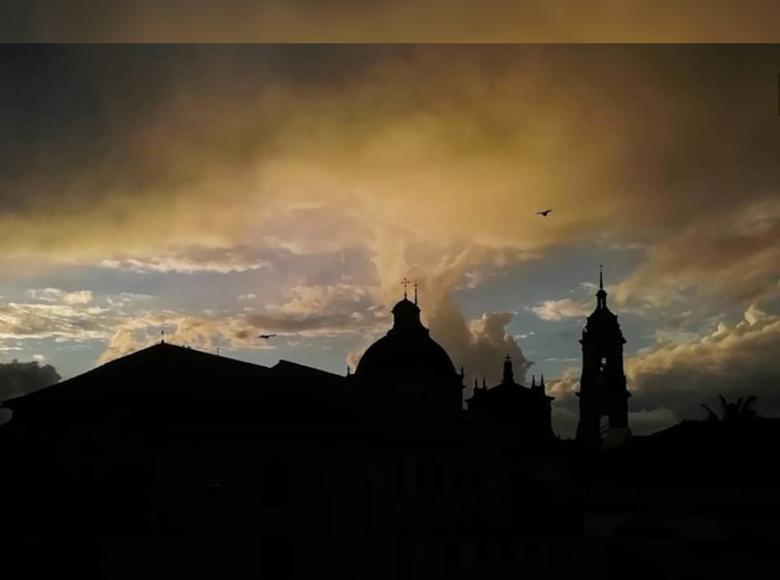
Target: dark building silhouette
x=527 y=410
x=174 y=463
x=406 y=375
x=603 y=391
x=177 y=459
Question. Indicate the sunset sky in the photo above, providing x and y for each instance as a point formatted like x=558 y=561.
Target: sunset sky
x=232 y=190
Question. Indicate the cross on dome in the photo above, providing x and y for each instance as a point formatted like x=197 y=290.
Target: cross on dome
x=405 y=282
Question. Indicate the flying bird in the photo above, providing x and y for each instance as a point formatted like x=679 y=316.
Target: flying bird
x=543 y=213
x=266 y=336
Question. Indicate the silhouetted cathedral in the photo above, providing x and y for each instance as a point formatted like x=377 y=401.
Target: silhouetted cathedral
x=343 y=474
x=174 y=463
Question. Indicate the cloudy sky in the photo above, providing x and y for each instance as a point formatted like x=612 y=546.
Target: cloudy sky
x=226 y=191
x=384 y=21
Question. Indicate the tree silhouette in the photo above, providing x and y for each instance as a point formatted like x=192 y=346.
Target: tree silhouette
x=732 y=412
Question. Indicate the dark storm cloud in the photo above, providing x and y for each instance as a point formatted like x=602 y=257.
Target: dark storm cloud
x=156 y=143
x=134 y=148
x=103 y=140
x=69 y=109
x=18 y=378
x=381 y=21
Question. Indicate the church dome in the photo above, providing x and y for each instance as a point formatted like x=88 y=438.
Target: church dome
x=406 y=351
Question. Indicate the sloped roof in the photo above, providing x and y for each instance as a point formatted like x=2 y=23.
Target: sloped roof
x=171 y=388
x=151 y=372
x=165 y=370
x=292 y=370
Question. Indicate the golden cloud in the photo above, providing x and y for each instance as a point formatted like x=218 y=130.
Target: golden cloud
x=432 y=158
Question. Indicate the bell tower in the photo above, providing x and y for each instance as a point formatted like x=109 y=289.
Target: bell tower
x=603 y=392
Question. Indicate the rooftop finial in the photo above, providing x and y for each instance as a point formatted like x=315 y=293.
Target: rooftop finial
x=162 y=332
x=405 y=282
x=601 y=295
x=509 y=376
x=415 y=293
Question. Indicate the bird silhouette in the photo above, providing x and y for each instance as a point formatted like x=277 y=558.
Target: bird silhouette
x=266 y=336
x=543 y=213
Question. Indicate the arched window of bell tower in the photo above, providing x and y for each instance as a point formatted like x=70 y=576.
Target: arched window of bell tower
x=603 y=425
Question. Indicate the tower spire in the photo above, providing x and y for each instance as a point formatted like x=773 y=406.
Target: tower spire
x=415 y=293
x=601 y=295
